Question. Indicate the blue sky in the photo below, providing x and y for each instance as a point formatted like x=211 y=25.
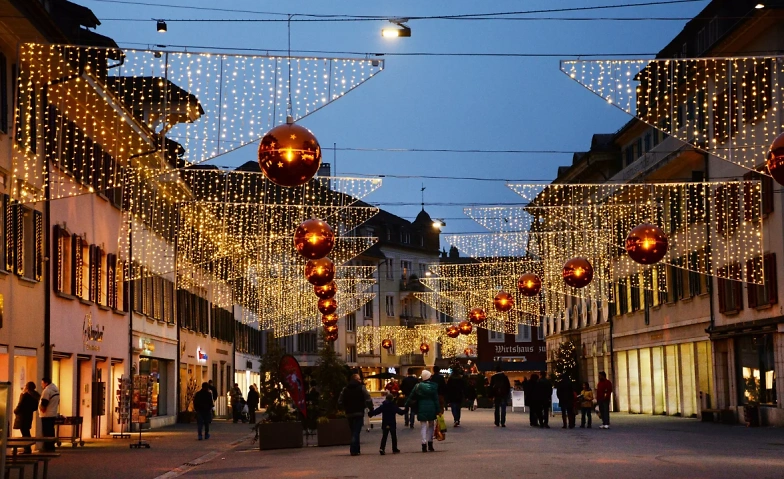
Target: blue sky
x=435 y=102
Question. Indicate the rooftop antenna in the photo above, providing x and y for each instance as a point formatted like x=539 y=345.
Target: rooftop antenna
x=422 y=191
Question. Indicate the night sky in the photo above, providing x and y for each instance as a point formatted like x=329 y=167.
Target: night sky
x=434 y=102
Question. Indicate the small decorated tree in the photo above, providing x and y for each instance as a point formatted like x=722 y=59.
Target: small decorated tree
x=331 y=376
x=566 y=362
x=272 y=393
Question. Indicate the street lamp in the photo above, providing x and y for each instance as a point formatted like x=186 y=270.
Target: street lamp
x=161 y=26
x=401 y=31
x=438 y=223
x=759 y=6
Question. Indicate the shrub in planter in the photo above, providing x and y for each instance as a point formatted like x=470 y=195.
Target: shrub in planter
x=333 y=431
x=331 y=376
x=280 y=435
x=279 y=427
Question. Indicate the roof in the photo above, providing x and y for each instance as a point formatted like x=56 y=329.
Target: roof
x=423 y=217
x=136 y=90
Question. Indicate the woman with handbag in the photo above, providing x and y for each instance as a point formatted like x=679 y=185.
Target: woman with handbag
x=425 y=398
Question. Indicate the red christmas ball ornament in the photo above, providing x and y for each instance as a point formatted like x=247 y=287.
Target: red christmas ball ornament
x=453 y=331
x=333 y=329
x=578 y=272
x=477 y=316
x=424 y=347
x=327 y=291
x=331 y=337
x=386 y=344
x=465 y=327
x=329 y=319
x=327 y=306
x=314 y=239
x=468 y=352
x=529 y=284
x=646 y=244
x=775 y=161
x=289 y=155
x=320 y=272
x=503 y=302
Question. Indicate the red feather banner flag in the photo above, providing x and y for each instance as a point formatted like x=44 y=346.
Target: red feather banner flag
x=292 y=379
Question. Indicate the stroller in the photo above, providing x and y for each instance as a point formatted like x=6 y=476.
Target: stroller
x=244 y=413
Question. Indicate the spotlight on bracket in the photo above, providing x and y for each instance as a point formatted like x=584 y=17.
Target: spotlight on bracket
x=161 y=26
x=402 y=30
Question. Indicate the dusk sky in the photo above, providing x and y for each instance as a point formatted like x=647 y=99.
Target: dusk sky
x=433 y=102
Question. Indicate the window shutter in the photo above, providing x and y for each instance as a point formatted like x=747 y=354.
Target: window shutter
x=771 y=279
x=76 y=266
x=767 y=194
x=721 y=213
x=98 y=274
x=722 y=301
x=748 y=198
x=111 y=285
x=57 y=254
x=91 y=274
x=38 y=244
x=10 y=248
x=751 y=288
x=18 y=213
x=737 y=289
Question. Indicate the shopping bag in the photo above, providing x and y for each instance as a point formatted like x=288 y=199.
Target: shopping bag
x=442 y=423
x=438 y=433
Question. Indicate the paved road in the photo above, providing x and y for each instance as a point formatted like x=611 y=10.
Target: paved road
x=636 y=447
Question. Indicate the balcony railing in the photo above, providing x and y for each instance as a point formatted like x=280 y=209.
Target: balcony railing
x=409 y=320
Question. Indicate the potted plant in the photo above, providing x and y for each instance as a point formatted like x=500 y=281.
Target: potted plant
x=330 y=377
x=279 y=428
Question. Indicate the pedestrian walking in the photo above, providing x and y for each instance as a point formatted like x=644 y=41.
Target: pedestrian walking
x=203 y=404
x=354 y=399
x=24 y=411
x=586 y=404
x=529 y=399
x=48 y=410
x=471 y=394
x=392 y=387
x=500 y=388
x=236 y=399
x=253 y=403
x=604 y=391
x=565 y=392
x=426 y=396
x=388 y=411
x=455 y=394
x=408 y=384
x=544 y=399
x=438 y=378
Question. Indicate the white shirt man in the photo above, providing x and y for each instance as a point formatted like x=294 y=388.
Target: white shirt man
x=48 y=410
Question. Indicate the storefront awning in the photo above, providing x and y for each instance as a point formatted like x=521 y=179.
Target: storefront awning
x=512 y=366
x=747 y=327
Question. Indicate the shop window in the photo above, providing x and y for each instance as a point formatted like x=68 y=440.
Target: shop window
x=762 y=294
x=756 y=371
x=730 y=292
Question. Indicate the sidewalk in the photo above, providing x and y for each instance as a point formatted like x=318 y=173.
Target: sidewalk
x=170 y=448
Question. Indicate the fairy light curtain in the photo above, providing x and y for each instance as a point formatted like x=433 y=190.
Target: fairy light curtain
x=120 y=108
x=407 y=340
x=727 y=107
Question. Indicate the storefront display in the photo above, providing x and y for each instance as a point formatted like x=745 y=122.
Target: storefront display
x=756 y=370
x=153 y=372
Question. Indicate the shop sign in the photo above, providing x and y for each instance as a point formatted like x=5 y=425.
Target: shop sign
x=392 y=370
x=445 y=371
x=201 y=356
x=221 y=351
x=146 y=345
x=91 y=333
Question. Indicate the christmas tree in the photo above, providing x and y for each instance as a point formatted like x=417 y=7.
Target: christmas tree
x=273 y=394
x=331 y=376
x=566 y=362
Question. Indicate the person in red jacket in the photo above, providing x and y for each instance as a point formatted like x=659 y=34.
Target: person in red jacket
x=603 y=397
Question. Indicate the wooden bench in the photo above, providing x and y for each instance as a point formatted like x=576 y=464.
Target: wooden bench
x=19 y=462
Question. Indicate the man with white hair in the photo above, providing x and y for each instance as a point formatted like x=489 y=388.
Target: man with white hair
x=425 y=396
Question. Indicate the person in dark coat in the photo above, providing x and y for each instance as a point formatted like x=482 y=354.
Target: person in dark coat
x=406 y=386
x=471 y=394
x=24 y=410
x=565 y=392
x=455 y=394
x=202 y=404
x=500 y=388
x=544 y=397
x=354 y=399
x=438 y=378
x=529 y=388
x=388 y=411
x=253 y=403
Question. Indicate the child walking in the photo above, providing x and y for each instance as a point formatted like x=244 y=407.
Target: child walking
x=388 y=410
x=586 y=404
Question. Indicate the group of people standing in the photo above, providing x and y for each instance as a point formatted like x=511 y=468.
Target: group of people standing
x=538 y=398
x=47 y=403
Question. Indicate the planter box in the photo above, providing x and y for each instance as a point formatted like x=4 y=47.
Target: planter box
x=280 y=435
x=335 y=432
x=484 y=402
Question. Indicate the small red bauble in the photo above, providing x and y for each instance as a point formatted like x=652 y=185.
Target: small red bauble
x=329 y=319
x=775 y=161
x=646 y=244
x=424 y=347
x=453 y=331
x=503 y=302
x=465 y=327
x=320 y=272
x=314 y=239
x=327 y=306
x=333 y=329
x=468 y=352
x=578 y=272
x=327 y=291
x=477 y=316
x=386 y=344
x=331 y=337
x=289 y=155
x=529 y=284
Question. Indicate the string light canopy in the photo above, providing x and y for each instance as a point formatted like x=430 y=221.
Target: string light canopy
x=775 y=160
x=408 y=340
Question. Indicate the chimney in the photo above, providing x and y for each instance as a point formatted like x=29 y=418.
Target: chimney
x=324 y=170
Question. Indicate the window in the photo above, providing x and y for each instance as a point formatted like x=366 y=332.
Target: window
x=629 y=155
x=762 y=294
x=423 y=310
x=675 y=217
x=26 y=124
x=756 y=369
x=725 y=114
x=62 y=260
x=495 y=336
x=389 y=234
x=623 y=298
x=540 y=332
x=306 y=342
x=727 y=209
x=730 y=292
x=405 y=238
x=422 y=270
x=523 y=334
x=24 y=231
x=390 y=305
x=635 y=295
x=405 y=268
x=757 y=91
x=351 y=354
x=369 y=309
x=351 y=322
x=390 y=267
x=3 y=94
x=695 y=209
x=753 y=208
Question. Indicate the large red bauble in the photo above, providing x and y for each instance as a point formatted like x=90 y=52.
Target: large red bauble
x=578 y=272
x=386 y=344
x=453 y=331
x=424 y=347
x=331 y=329
x=503 y=302
x=329 y=319
x=775 y=162
x=477 y=316
x=529 y=284
x=289 y=155
x=314 y=239
x=327 y=291
x=646 y=244
x=465 y=327
x=320 y=272
x=327 y=306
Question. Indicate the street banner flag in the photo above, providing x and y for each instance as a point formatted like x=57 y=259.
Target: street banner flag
x=292 y=379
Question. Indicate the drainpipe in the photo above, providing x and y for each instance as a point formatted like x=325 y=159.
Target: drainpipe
x=709 y=283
